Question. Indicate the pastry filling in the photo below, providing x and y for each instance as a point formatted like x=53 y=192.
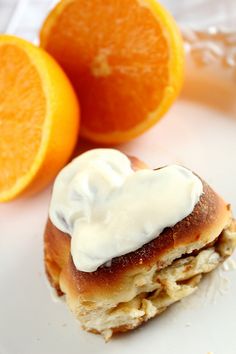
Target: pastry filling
x=157 y=289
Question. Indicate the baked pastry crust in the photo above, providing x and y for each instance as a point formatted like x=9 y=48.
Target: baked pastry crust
x=141 y=284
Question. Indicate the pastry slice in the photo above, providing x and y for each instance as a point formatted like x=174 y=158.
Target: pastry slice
x=123 y=242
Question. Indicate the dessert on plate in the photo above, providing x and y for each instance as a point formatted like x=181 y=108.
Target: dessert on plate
x=123 y=241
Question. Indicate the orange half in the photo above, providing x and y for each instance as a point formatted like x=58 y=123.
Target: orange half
x=39 y=118
x=124 y=58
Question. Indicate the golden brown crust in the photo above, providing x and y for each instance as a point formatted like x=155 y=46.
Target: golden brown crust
x=203 y=225
x=137 y=164
x=56 y=254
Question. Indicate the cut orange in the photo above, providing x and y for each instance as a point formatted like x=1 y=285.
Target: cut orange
x=124 y=58
x=38 y=118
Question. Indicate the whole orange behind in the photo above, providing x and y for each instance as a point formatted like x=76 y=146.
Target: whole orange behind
x=39 y=118
x=124 y=58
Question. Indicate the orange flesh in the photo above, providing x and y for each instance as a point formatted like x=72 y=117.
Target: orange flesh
x=20 y=121
x=116 y=56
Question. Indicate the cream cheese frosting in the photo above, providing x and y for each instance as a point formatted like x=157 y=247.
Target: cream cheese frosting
x=109 y=209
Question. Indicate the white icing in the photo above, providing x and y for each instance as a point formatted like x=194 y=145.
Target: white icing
x=110 y=210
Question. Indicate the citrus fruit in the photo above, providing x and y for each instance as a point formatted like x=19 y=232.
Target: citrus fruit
x=124 y=59
x=39 y=118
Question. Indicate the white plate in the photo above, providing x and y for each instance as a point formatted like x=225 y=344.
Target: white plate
x=198 y=132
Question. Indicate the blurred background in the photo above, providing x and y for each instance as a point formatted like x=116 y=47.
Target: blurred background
x=24 y=17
